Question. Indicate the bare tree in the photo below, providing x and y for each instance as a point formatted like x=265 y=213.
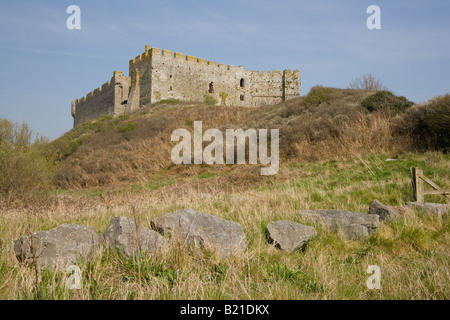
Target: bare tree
x=367 y=82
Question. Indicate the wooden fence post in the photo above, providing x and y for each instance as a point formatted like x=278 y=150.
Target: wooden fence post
x=417 y=184
x=418 y=179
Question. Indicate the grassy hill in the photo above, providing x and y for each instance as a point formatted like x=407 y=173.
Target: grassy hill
x=333 y=155
x=331 y=124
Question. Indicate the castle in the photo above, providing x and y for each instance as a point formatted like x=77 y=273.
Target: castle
x=157 y=75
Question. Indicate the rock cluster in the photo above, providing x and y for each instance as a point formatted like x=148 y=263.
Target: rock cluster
x=68 y=243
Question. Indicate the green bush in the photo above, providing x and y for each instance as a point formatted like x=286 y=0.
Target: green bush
x=317 y=95
x=223 y=95
x=386 y=100
x=437 y=120
x=127 y=127
x=428 y=123
x=438 y=116
x=25 y=167
x=209 y=99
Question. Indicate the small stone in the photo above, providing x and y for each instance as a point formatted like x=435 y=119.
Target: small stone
x=385 y=213
x=352 y=225
x=289 y=235
x=438 y=209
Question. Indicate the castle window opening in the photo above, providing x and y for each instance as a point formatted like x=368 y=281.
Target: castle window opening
x=242 y=97
x=242 y=82
x=170 y=88
x=211 y=87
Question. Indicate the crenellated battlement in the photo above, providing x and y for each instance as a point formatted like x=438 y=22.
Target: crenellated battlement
x=105 y=88
x=150 y=51
x=93 y=94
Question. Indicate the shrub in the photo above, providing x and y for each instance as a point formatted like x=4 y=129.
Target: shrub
x=317 y=95
x=223 y=96
x=438 y=119
x=209 y=99
x=386 y=100
x=24 y=166
x=428 y=124
x=127 y=127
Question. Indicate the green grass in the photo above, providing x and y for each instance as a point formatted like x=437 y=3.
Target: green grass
x=205 y=175
x=170 y=101
x=129 y=126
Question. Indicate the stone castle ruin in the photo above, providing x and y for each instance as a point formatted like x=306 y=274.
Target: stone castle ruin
x=157 y=75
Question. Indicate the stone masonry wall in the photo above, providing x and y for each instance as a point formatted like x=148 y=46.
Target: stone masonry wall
x=167 y=75
x=108 y=99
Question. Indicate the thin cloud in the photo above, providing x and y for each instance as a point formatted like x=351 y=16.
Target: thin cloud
x=65 y=53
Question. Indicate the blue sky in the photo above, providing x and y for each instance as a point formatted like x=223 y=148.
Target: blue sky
x=44 y=65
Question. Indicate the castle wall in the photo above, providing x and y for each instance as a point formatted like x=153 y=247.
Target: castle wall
x=95 y=104
x=291 y=84
x=192 y=79
x=267 y=88
x=140 y=71
x=108 y=99
x=167 y=75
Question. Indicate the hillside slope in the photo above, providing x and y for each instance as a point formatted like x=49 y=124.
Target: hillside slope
x=111 y=152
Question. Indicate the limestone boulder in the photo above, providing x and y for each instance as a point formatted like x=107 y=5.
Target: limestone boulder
x=195 y=229
x=352 y=225
x=289 y=235
x=123 y=235
x=59 y=247
x=385 y=213
x=438 y=209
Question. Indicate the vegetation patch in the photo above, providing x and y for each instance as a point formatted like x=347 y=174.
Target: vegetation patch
x=127 y=127
x=223 y=95
x=386 y=101
x=317 y=95
x=210 y=100
x=169 y=101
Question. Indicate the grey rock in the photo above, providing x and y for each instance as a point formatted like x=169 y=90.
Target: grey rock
x=384 y=212
x=122 y=235
x=195 y=229
x=438 y=209
x=352 y=225
x=289 y=235
x=59 y=247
